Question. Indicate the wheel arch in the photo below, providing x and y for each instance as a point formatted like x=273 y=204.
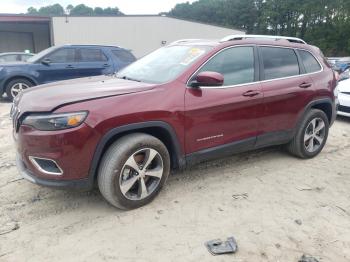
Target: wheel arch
x=9 y=79
x=159 y=129
x=326 y=105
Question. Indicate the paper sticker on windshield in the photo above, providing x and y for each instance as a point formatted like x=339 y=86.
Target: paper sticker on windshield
x=192 y=54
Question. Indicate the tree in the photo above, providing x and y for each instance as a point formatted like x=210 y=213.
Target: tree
x=325 y=23
x=51 y=10
x=32 y=11
x=82 y=10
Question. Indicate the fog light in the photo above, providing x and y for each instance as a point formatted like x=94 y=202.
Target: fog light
x=46 y=166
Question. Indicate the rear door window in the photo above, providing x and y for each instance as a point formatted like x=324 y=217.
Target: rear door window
x=279 y=62
x=91 y=55
x=236 y=64
x=123 y=55
x=310 y=63
x=64 y=55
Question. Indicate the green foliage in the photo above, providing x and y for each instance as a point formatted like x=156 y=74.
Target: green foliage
x=81 y=9
x=325 y=23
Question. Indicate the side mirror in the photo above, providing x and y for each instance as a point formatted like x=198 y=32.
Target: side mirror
x=46 y=61
x=208 y=78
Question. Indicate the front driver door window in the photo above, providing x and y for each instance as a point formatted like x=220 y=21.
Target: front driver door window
x=226 y=114
x=62 y=65
x=235 y=64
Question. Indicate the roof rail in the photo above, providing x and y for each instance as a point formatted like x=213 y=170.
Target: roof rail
x=240 y=37
x=184 y=41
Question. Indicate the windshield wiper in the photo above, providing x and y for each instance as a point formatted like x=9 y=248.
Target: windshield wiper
x=128 y=78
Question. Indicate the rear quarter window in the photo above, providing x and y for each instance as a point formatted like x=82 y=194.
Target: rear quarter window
x=123 y=55
x=310 y=63
x=279 y=62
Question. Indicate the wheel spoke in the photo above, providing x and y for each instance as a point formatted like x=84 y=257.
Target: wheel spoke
x=132 y=163
x=142 y=188
x=307 y=137
x=319 y=139
x=155 y=172
x=313 y=124
x=320 y=126
x=310 y=147
x=127 y=185
x=151 y=154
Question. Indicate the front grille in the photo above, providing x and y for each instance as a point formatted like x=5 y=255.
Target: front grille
x=15 y=112
x=344 y=109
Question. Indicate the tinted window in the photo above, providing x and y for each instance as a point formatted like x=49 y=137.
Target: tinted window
x=124 y=56
x=310 y=63
x=64 y=55
x=279 y=62
x=235 y=64
x=92 y=55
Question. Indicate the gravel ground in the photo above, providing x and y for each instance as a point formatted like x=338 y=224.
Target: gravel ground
x=276 y=206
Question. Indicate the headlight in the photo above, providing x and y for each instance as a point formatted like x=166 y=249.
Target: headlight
x=50 y=122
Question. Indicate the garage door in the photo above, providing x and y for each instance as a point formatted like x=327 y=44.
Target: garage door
x=16 y=42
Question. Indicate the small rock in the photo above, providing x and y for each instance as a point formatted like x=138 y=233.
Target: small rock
x=278 y=245
x=298 y=221
x=160 y=212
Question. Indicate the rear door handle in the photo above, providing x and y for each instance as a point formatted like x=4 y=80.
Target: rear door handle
x=106 y=65
x=69 y=66
x=251 y=93
x=305 y=85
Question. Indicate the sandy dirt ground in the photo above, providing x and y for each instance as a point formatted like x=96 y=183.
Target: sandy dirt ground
x=276 y=206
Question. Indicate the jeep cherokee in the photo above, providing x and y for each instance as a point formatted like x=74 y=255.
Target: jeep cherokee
x=184 y=103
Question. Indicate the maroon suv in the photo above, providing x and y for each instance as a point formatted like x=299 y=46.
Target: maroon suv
x=184 y=103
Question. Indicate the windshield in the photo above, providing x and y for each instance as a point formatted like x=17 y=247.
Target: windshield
x=40 y=55
x=164 y=64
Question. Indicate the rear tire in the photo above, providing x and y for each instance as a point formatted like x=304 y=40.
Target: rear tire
x=16 y=86
x=133 y=170
x=311 y=135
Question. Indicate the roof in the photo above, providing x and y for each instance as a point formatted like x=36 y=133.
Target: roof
x=23 y=18
x=33 y=18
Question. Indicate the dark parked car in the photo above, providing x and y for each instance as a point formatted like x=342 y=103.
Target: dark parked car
x=61 y=63
x=184 y=103
x=14 y=57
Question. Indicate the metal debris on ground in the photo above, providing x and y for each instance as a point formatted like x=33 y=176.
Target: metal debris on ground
x=305 y=258
x=218 y=247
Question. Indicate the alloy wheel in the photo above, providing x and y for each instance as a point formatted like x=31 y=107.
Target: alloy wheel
x=141 y=174
x=314 y=135
x=18 y=88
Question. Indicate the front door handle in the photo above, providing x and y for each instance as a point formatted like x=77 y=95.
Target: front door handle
x=305 y=85
x=251 y=93
x=106 y=65
x=69 y=66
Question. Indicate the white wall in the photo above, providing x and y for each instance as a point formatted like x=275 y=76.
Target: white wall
x=141 y=34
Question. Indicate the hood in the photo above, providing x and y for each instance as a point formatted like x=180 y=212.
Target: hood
x=344 y=86
x=50 y=96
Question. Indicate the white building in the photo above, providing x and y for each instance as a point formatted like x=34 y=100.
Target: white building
x=140 y=33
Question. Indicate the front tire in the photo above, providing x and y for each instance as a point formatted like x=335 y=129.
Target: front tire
x=16 y=86
x=311 y=135
x=133 y=170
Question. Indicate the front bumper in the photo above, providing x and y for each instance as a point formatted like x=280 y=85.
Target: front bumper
x=81 y=184
x=344 y=104
x=71 y=149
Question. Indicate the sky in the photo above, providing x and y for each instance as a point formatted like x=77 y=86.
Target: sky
x=129 y=7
